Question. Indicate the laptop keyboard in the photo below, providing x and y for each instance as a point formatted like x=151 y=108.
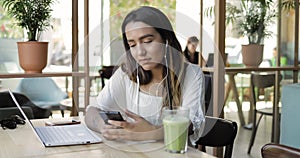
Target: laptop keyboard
x=64 y=134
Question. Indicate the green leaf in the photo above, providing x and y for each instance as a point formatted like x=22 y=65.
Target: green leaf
x=32 y=15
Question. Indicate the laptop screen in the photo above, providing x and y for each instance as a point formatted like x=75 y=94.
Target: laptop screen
x=210 y=60
x=23 y=114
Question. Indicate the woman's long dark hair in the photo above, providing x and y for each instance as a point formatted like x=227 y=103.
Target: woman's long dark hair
x=174 y=57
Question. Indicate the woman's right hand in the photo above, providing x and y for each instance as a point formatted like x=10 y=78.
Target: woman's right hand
x=139 y=129
x=112 y=132
x=139 y=124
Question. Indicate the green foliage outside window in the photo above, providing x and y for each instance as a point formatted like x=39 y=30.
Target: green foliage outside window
x=8 y=26
x=119 y=9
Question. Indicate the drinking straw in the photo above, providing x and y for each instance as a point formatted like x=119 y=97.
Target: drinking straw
x=170 y=97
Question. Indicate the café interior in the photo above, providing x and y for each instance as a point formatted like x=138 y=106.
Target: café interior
x=85 y=47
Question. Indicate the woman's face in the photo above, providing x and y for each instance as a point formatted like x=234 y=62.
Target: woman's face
x=192 y=46
x=146 y=45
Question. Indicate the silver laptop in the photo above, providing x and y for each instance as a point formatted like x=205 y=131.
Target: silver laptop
x=210 y=60
x=61 y=135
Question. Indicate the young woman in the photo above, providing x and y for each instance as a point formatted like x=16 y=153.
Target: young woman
x=154 y=75
x=190 y=50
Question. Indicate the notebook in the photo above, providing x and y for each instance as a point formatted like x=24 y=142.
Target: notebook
x=49 y=136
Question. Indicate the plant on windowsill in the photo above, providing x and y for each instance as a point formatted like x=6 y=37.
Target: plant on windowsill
x=254 y=18
x=34 y=17
x=257 y=16
x=251 y=19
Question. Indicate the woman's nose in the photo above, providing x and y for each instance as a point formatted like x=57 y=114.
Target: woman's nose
x=140 y=50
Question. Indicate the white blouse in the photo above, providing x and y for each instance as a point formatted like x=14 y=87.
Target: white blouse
x=120 y=93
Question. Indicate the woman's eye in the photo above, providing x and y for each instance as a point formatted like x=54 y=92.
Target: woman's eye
x=131 y=45
x=149 y=41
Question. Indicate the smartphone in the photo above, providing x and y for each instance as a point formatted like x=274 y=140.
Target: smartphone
x=60 y=123
x=111 y=115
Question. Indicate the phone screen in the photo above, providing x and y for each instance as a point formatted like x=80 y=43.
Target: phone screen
x=111 y=115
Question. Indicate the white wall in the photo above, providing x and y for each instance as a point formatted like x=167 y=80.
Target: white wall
x=187 y=20
x=188 y=24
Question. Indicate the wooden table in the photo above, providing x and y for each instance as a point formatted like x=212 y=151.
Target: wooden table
x=232 y=71
x=22 y=142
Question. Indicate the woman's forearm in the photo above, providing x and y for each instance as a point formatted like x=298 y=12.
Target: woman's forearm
x=157 y=134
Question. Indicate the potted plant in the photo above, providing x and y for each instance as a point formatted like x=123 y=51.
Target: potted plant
x=255 y=17
x=250 y=19
x=34 y=17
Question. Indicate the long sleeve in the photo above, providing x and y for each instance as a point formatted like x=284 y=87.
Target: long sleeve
x=113 y=95
x=193 y=98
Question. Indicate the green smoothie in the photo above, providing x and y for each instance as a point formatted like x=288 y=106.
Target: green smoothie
x=175 y=133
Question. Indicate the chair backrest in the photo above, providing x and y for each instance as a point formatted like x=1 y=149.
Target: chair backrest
x=208 y=91
x=7 y=102
x=41 y=89
x=263 y=80
x=219 y=132
x=106 y=72
x=279 y=151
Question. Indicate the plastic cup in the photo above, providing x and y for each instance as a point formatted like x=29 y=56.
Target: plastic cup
x=176 y=124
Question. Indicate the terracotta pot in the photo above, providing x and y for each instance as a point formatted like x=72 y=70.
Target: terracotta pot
x=33 y=56
x=252 y=54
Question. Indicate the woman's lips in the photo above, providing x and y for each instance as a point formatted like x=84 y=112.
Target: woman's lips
x=144 y=61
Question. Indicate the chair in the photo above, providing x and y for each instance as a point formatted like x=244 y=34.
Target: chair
x=260 y=81
x=106 y=72
x=279 y=151
x=289 y=120
x=43 y=92
x=8 y=107
x=218 y=132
